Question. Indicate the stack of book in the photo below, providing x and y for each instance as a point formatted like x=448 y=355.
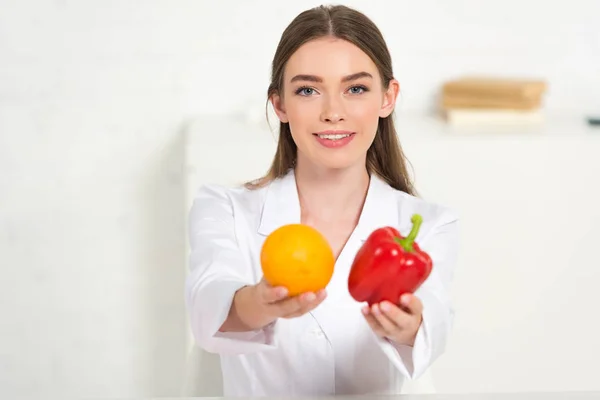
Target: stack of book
x=489 y=100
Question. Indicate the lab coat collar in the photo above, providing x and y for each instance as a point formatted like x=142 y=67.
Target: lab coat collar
x=282 y=206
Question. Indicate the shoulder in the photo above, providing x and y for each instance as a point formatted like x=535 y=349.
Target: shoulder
x=427 y=208
x=213 y=200
x=436 y=217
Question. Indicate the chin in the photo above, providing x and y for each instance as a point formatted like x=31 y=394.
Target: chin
x=338 y=163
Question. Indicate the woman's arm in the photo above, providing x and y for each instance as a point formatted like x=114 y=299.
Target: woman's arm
x=229 y=312
x=218 y=272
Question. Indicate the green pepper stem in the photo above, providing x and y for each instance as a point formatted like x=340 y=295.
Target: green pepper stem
x=407 y=242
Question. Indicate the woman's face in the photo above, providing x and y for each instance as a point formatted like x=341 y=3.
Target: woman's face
x=332 y=98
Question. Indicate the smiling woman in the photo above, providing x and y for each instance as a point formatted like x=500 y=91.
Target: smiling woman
x=337 y=109
x=348 y=101
x=338 y=168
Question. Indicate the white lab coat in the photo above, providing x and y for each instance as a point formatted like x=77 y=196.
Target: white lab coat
x=332 y=349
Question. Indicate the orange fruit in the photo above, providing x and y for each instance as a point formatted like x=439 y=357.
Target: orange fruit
x=297 y=257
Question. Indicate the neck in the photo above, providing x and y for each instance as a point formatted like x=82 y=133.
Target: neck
x=332 y=195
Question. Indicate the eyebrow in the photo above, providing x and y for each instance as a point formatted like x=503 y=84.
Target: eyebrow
x=314 y=78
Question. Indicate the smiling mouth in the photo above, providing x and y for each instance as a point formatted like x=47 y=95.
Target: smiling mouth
x=334 y=136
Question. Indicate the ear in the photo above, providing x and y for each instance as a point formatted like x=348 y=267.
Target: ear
x=389 y=99
x=277 y=103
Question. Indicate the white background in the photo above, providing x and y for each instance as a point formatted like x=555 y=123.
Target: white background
x=94 y=98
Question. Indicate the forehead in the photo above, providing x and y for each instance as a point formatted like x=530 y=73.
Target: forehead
x=329 y=58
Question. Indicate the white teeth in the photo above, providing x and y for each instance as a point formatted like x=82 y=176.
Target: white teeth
x=334 y=137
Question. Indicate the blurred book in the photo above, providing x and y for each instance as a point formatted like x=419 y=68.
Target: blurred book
x=491 y=100
x=493 y=117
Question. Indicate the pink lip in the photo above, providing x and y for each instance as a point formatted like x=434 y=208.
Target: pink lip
x=335 y=144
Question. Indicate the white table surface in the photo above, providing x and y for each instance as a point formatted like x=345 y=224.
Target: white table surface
x=473 y=396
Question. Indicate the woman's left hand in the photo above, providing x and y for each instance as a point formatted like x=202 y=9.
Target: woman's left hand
x=396 y=323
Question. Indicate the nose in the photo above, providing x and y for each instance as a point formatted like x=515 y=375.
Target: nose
x=333 y=110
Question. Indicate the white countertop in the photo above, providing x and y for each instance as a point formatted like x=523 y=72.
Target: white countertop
x=473 y=396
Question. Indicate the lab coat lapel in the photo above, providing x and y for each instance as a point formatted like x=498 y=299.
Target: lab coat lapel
x=281 y=206
x=380 y=208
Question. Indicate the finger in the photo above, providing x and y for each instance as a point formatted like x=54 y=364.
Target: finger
x=271 y=294
x=412 y=304
x=300 y=303
x=308 y=306
x=291 y=305
x=373 y=323
x=388 y=325
x=400 y=317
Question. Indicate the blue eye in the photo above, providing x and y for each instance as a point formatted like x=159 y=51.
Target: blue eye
x=357 y=89
x=305 y=91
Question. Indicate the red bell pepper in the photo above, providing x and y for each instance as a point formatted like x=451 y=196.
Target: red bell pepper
x=388 y=265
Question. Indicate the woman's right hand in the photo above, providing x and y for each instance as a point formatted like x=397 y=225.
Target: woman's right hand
x=258 y=305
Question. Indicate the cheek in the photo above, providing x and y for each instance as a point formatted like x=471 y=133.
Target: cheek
x=365 y=113
x=301 y=116
x=299 y=110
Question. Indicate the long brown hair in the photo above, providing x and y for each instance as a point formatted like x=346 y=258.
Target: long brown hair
x=385 y=156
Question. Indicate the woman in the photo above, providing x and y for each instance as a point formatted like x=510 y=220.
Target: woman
x=338 y=168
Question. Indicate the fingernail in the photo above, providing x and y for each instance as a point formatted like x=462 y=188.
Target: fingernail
x=365 y=310
x=405 y=299
x=375 y=309
x=282 y=292
x=385 y=306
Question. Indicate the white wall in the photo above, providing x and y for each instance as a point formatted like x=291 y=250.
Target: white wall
x=93 y=99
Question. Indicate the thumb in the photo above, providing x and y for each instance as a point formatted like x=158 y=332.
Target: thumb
x=411 y=303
